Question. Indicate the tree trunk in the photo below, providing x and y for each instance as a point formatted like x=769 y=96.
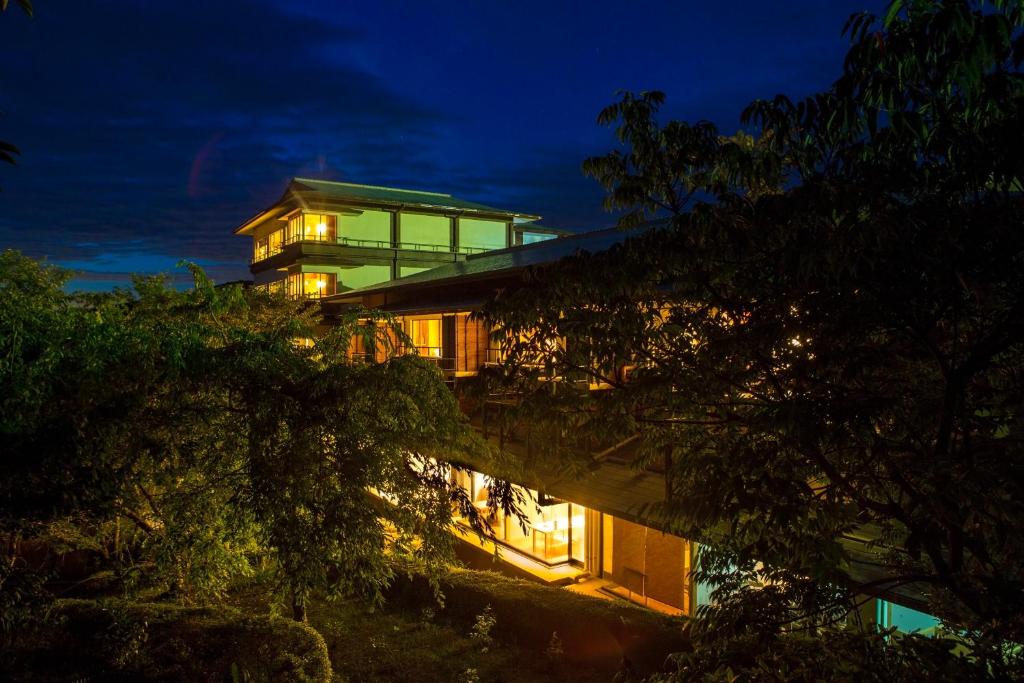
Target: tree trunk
x=298 y=609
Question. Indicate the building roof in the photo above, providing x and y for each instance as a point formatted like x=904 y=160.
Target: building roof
x=312 y=188
x=393 y=195
x=503 y=261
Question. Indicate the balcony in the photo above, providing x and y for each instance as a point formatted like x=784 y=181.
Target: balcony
x=330 y=241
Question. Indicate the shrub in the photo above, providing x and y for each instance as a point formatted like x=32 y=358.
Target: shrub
x=153 y=641
x=481 y=632
x=590 y=630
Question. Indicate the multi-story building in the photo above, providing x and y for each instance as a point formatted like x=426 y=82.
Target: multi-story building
x=431 y=260
x=325 y=237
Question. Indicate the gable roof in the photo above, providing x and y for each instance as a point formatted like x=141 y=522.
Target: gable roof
x=312 y=188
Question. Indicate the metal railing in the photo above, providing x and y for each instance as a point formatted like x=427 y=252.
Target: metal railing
x=371 y=244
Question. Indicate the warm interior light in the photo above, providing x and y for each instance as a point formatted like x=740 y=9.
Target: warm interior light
x=320 y=284
x=321 y=228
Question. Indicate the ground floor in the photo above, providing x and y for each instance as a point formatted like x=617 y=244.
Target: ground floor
x=563 y=543
x=560 y=542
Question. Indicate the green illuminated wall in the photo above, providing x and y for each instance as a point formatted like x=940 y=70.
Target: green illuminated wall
x=421 y=228
x=369 y=225
x=350 y=278
x=482 y=234
x=363 y=276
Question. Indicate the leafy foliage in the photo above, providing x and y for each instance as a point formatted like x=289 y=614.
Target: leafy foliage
x=196 y=418
x=823 y=337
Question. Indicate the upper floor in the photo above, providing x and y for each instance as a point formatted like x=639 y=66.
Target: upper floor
x=324 y=237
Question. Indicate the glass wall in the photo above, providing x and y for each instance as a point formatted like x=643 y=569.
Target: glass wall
x=317 y=227
x=553 y=531
x=268 y=246
x=310 y=285
x=426 y=336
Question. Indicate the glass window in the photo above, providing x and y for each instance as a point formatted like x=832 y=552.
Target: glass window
x=317 y=227
x=555 y=530
x=311 y=285
x=275 y=241
x=260 y=249
x=426 y=336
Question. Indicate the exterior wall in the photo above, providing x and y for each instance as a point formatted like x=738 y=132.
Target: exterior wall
x=362 y=276
x=470 y=344
x=477 y=233
x=650 y=563
x=370 y=225
x=422 y=228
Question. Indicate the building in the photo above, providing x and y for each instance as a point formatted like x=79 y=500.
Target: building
x=431 y=260
x=325 y=237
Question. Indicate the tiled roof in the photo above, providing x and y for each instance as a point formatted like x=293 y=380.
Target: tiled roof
x=391 y=195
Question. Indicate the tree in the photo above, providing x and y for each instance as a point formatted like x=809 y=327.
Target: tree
x=200 y=420
x=824 y=336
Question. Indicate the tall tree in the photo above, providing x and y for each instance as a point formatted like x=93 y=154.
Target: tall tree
x=825 y=337
x=210 y=422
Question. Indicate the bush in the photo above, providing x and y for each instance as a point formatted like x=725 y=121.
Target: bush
x=590 y=630
x=153 y=641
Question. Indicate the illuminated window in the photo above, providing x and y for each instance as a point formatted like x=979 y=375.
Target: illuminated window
x=259 y=251
x=426 y=336
x=316 y=227
x=311 y=285
x=268 y=246
x=555 y=530
x=275 y=241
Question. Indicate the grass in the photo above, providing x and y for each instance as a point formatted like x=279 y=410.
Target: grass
x=402 y=644
x=393 y=646
x=411 y=639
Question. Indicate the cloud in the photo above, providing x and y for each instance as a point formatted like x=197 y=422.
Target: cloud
x=150 y=130
x=168 y=124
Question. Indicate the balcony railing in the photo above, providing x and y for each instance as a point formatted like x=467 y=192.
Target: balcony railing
x=371 y=244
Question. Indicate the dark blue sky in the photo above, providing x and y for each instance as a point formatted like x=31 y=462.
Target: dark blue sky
x=149 y=130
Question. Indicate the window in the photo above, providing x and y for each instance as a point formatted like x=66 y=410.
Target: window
x=315 y=227
x=426 y=337
x=259 y=251
x=275 y=241
x=555 y=530
x=267 y=246
x=311 y=285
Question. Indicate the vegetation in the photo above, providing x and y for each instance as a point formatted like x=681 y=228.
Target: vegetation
x=190 y=434
x=133 y=641
x=590 y=632
x=823 y=336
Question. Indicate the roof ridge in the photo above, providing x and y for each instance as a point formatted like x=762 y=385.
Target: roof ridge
x=372 y=187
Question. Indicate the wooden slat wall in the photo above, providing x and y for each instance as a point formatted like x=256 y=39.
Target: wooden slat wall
x=471 y=344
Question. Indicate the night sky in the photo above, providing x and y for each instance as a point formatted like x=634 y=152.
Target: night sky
x=149 y=130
